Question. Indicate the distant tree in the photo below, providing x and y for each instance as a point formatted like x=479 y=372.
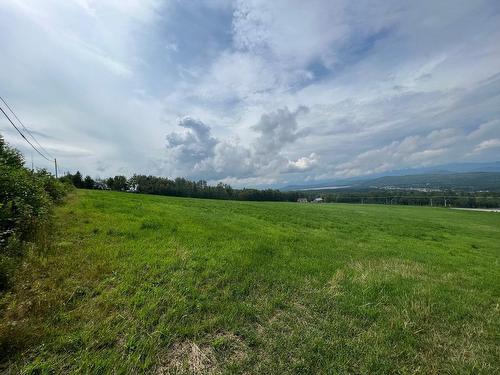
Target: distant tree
x=77 y=179
x=10 y=156
x=134 y=180
x=109 y=183
x=88 y=183
x=118 y=183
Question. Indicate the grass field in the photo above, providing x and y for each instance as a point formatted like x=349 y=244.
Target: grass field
x=138 y=283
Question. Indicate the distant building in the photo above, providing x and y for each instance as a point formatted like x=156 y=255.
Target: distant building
x=302 y=200
x=101 y=185
x=318 y=200
x=132 y=189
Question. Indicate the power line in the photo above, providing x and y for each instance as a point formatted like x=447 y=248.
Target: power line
x=22 y=135
x=25 y=128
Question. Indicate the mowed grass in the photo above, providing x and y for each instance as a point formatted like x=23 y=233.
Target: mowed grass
x=147 y=284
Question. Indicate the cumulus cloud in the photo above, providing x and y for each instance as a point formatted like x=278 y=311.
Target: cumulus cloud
x=276 y=129
x=197 y=153
x=193 y=146
x=303 y=164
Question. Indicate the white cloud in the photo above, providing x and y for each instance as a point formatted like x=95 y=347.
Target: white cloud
x=276 y=129
x=303 y=164
x=237 y=76
x=485 y=145
x=198 y=154
x=296 y=33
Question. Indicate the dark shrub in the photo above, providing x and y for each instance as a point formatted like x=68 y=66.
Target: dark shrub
x=26 y=200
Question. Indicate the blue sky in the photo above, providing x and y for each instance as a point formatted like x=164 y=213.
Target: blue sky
x=253 y=92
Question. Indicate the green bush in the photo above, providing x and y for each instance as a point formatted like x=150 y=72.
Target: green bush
x=26 y=201
x=56 y=189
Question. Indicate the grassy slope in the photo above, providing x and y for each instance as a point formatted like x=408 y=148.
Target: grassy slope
x=165 y=284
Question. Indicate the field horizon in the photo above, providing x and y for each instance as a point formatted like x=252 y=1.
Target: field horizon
x=143 y=283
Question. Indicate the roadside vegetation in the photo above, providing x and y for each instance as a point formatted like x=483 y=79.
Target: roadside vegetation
x=140 y=283
x=26 y=201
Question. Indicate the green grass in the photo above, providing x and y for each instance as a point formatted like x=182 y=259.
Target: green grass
x=138 y=283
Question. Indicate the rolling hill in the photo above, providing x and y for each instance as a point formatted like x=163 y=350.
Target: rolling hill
x=470 y=182
x=473 y=181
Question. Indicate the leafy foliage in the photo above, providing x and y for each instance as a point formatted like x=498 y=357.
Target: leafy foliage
x=118 y=183
x=10 y=157
x=26 y=200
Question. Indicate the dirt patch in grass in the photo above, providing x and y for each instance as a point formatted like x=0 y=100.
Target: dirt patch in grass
x=187 y=358
x=209 y=357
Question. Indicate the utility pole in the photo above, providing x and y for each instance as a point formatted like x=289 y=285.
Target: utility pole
x=55 y=165
x=32 y=167
x=431 y=202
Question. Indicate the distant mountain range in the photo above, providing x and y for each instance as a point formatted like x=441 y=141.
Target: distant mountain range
x=471 y=181
x=457 y=176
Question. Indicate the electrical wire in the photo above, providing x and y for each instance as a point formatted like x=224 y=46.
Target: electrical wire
x=22 y=135
x=25 y=128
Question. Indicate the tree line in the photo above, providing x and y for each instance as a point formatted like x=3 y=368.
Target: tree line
x=181 y=187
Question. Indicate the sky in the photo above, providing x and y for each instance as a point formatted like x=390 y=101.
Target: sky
x=252 y=92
